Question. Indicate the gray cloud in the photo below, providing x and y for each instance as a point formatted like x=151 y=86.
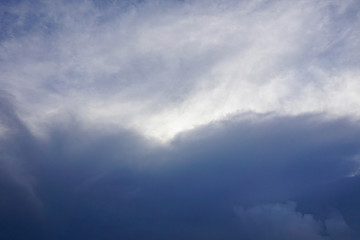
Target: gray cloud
x=153 y=119
x=282 y=221
x=92 y=184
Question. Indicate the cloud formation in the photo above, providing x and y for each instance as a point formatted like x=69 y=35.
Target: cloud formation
x=282 y=221
x=209 y=183
x=179 y=120
x=164 y=67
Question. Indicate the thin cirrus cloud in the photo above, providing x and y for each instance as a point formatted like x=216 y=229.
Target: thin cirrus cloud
x=161 y=68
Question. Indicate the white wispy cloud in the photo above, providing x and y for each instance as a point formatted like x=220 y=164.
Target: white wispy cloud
x=164 y=67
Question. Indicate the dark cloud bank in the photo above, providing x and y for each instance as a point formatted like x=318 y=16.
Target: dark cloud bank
x=251 y=177
x=265 y=178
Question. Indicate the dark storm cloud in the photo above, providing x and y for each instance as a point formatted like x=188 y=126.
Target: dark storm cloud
x=209 y=183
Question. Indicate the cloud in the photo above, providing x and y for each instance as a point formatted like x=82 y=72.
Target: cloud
x=91 y=184
x=153 y=119
x=283 y=221
x=162 y=67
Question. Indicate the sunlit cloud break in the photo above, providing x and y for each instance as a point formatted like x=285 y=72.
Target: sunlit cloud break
x=161 y=67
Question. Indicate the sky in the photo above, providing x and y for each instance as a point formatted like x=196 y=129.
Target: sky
x=177 y=119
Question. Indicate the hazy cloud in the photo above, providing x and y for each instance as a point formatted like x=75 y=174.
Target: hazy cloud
x=163 y=67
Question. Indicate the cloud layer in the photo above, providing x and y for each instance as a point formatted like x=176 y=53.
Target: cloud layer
x=179 y=120
x=162 y=67
x=231 y=179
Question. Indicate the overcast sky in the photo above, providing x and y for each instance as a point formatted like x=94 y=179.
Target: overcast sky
x=218 y=119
